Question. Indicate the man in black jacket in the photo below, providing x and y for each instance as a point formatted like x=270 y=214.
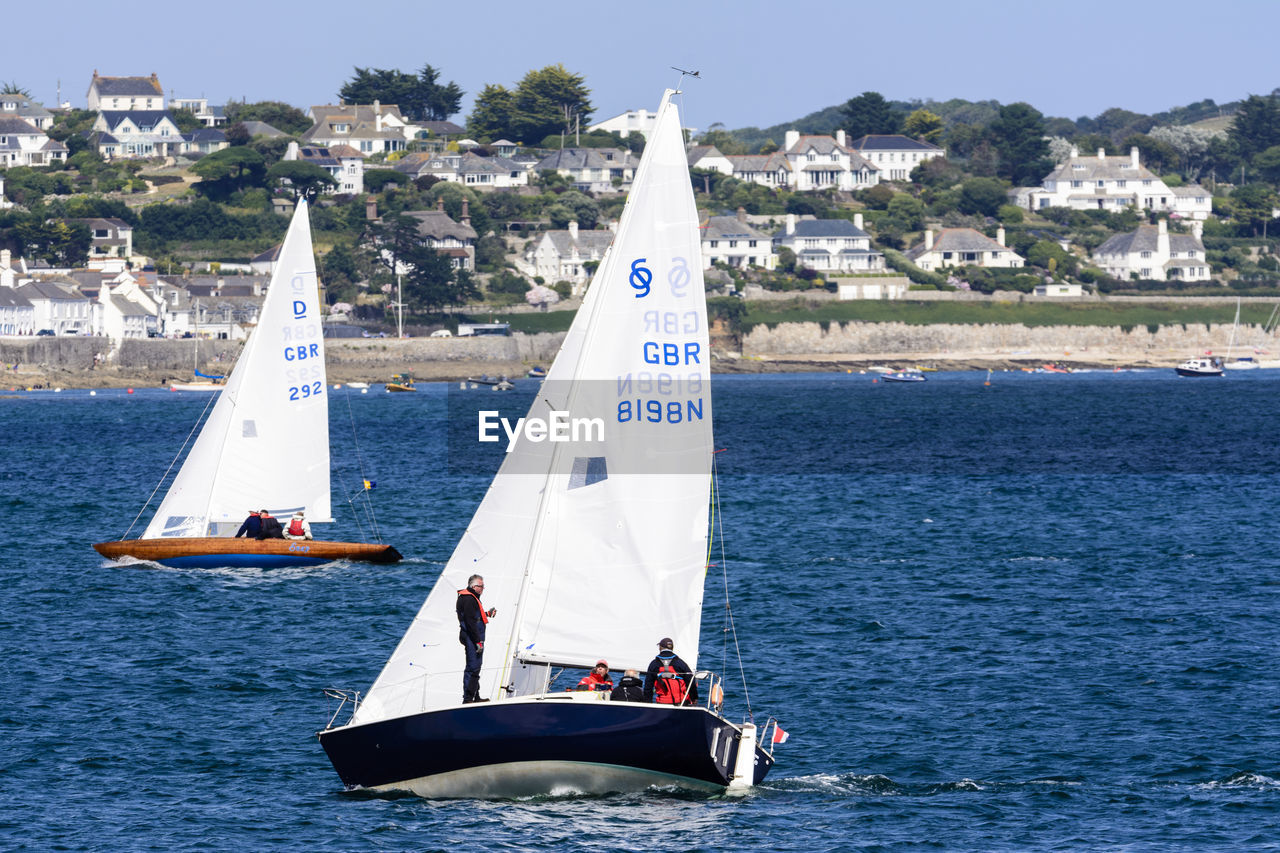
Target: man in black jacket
x=472 y=618
x=630 y=688
x=669 y=680
x=271 y=528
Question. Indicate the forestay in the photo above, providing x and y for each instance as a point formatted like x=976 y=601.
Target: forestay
x=266 y=443
x=597 y=547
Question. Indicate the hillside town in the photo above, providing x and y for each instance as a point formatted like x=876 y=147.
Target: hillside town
x=144 y=215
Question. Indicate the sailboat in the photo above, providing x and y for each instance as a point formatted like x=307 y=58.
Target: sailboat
x=264 y=445
x=210 y=383
x=1245 y=362
x=590 y=549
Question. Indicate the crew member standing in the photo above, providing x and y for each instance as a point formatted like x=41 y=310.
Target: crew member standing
x=669 y=680
x=472 y=618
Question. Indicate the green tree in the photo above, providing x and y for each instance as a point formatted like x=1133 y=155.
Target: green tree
x=279 y=115
x=1256 y=126
x=300 y=178
x=340 y=273
x=923 y=124
x=375 y=180
x=550 y=100
x=1251 y=206
x=491 y=116
x=12 y=88
x=420 y=97
x=982 y=196
x=1267 y=164
x=723 y=140
x=1019 y=138
x=907 y=212
x=186 y=120
x=869 y=113
x=229 y=170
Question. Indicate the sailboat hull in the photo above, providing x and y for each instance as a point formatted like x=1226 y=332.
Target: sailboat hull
x=218 y=552
x=538 y=747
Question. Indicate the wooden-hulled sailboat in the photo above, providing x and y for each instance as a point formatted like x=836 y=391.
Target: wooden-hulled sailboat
x=590 y=548
x=265 y=445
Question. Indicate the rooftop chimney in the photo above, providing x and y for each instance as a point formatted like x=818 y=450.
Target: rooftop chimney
x=573 y=230
x=790 y=140
x=1000 y=235
x=1133 y=156
x=840 y=138
x=742 y=214
x=1197 y=229
x=440 y=203
x=791 y=221
x=928 y=239
x=466 y=213
x=857 y=221
x=1102 y=153
x=377 y=116
x=5 y=258
x=1075 y=152
x=1162 y=239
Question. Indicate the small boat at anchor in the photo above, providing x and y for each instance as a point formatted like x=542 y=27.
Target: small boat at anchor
x=1199 y=367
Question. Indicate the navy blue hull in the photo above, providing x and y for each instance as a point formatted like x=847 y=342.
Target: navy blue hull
x=540 y=739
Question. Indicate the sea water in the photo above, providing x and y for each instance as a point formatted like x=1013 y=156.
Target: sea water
x=1039 y=614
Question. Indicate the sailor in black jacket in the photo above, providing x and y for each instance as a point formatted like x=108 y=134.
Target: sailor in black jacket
x=472 y=618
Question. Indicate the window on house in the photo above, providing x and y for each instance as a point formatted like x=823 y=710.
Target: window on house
x=1101 y=184
x=751 y=244
x=1145 y=272
x=715 y=243
x=733 y=244
x=1120 y=184
x=1146 y=183
x=1077 y=184
x=1145 y=255
x=811 y=157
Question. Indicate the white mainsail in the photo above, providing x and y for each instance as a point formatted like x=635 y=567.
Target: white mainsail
x=266 y=442
x=595 y=548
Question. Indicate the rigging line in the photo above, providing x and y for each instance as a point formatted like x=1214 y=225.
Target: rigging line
x=724 y=568
x=194 y=429
x=355 y=440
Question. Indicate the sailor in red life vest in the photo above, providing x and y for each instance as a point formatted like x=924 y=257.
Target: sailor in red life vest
x=472 y=618
x=598 y=678
x=669 y=680
x=298 y=528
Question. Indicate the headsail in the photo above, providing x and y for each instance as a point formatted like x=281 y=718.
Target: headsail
x=594 y=548
x=266 y=442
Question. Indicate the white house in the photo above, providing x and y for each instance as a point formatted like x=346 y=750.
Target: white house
x=709 y=157
x=829 y=245
x=125 y=94
x=731 y=241
x=1114 y=183
x=199 y=107
x=109 y=238
x=962 y=247
x=455 y=240
x=342 y=162
x=58 y=306
x=470 y=169
x=769 y=170
x=586 y=167
x=823 y=162
x=632 y=121
x=17 y=314
x=26 y=109
x=1151 y=252
x=24 y=144
x=563 y=255
x=205 y=140
x=895 y=155
x=138 y=133
x=127 y=310
x=368 y=128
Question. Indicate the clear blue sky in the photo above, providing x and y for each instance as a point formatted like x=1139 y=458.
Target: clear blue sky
x=762 y=63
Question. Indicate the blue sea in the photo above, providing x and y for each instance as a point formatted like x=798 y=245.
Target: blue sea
x=1039 y=614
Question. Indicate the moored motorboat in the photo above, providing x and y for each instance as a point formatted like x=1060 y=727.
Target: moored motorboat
x=1199 y=367
x=903 y=376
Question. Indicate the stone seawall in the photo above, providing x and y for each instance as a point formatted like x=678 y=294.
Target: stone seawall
x=902 y=339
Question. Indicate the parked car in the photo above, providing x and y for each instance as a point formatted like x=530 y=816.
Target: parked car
x=442 y=333
x=44 y=332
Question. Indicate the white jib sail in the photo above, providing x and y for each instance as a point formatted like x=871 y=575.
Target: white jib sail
x=594 y=548
x=266 y=442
